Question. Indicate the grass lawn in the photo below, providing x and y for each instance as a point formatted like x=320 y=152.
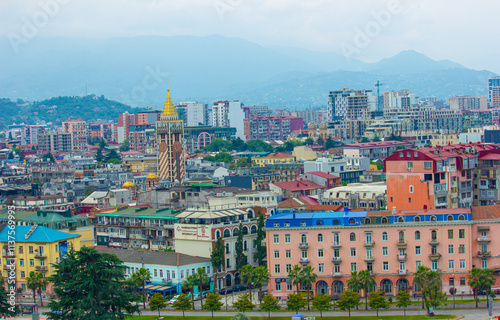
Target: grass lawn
x=288 y=318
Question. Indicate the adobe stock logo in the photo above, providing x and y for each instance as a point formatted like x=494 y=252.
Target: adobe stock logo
x=40 y=19
x=363 y=37
x=223 y=6
x=151 y=80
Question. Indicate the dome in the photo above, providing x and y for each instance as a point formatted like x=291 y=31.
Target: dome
x=127 y=184
x=152 y=176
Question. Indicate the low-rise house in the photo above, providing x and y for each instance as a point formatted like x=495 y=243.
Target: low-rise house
x=296 y=188
x=357 y=195
x=322 y=178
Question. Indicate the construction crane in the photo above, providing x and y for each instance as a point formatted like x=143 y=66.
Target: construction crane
x=379 y=106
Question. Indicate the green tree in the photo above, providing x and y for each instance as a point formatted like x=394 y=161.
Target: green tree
x=377 y=301
x=430 y=283
x=366 y=282
x=320 y=141
x=102 y=144
x=213 y=303
x=238 y=145
x=348 y=300
x=7 y=310
x=376 y=138
x=257 y=145
x=261 y=235
x=270 y=304
x=403 y=300
x=295 y=302
x=125 y=145
x=142 y=275
x=243 y=162
x=241 y=258
x=243 y=303
x=261 y=277
x=209 y=158
x=202 y=278
x=183 y=304
x=364 y=139
x=112 y=157
x=99 y=157
x=36 y=281
x=321 y=302
x=217 y=259
x=354 y=283
x=49 y=156
x=309 y=141
x=157 y=303
x=295 y=276
x=223 y=157
x=393 y=137
x=90 y=285
x=479 y=280
x=247 y=276
x=308 y=277
x=217 y=145
x=380 y=166
x=190 y=283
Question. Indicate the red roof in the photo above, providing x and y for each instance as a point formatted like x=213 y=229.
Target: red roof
x=298 y=185
x=490 y=156
x=379 y=144
x=278 y=155
x=324 y=175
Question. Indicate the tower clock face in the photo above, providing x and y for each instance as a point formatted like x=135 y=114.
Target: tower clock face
x=163 y=147
x=177 y=147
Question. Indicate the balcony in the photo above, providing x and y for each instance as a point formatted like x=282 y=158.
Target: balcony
x=304 y=261
x=369 y=243
x=402 y=244
x=41 y=268
x=402 y=257
x=8 y=267
x=434 y=242
x=370 y=259
x=40 y=255
x=336 y=259
x=336 y=245
x=304 y=245
x=484 y=239
x=435 y=256
x=483 y=254
x=8 y=254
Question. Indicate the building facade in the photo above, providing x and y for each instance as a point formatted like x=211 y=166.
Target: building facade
x=78 y=131
x=350 y=104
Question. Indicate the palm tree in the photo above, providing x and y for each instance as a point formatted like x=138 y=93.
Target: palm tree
x=366 y=282
x=480 y=279
x=32 y=283
x=189 y=283
x=142 y=275
x=247 y=276
x=308 y=277
x=353 y=283
x=295 y=276
x=202 y=278
x=42 y=283
x=261 y=276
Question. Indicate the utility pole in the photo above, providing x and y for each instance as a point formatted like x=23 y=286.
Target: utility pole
x=379 y=106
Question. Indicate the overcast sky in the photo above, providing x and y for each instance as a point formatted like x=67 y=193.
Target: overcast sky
x=463 y=31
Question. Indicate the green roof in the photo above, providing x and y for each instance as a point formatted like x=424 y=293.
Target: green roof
x=51 y=219
x=143 y=213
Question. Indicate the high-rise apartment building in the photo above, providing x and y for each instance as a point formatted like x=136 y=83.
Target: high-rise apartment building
x=493 y=85
x=465 y=103
x=29 y=134
x=350 y=104
x=55 y=141
x=197 y=113
x=169 y=143
x=78 y=130
x=272 y=128
x=229 y=114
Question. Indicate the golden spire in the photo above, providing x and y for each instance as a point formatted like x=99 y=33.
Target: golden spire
x=169 y=108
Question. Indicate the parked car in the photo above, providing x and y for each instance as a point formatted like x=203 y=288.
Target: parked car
x=196 y=297
x=226 y=291
x=205 y=293
x=240 y=288
x=174 y=299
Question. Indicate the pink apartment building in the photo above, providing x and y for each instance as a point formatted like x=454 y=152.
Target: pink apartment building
x=391 y=244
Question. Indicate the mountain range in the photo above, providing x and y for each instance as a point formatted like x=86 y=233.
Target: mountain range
x=134 y=71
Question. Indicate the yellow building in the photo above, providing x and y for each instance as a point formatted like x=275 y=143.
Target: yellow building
x=140 y=164
x=444 y=139
x=34 y=248
x=273 y=158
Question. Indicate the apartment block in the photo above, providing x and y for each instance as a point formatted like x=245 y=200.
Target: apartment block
x=229 y=114
x=29 y=134
x=78 y=130
x=272 y=128
x=350 y=104
x=464 y=103
x=374 y=150
x=55 y=142
x=494 y=92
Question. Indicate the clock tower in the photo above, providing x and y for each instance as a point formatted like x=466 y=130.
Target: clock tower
x=170 y=143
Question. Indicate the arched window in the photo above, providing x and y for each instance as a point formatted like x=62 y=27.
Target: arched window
x=417 y=235
x=235 y=232
x=245 y=245
x=319 y=222
x=320 y=238
x=303 y=238
x=385 y=236
x=351 y=221
x=401 y=219
x=449 y=218
x=401 y=236
x=352 y=236
x=217 y=234
x=287 y=223
x=417 y=219
x=433 y=218
x=276 y=224
x=227 y=233
x=434 y=235
x=227 y=247
x=368 y=221
x=335 y=222
x=245 y=230
x=386 y=285
x=302 y=223
x=384 y=220
x=461 y=217
x=253 y=229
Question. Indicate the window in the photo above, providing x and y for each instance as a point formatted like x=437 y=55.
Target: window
x=287 y=238
x=320 y=253
x=288 y=254
x=352 y=237
x=368 y=238
x=417 y=264
x=461 y=249
x=410 y=164
x=304 y=253
x=418 y=250
x=385 y=266
x=462 y=281
x=21 y=249
x=353 y=266
x=434 y=265
x=336 y=268
x=320 y=238
x=30 y=249
x=21 y=262
x=276 y=224
x=450 y=234
x=155 y=273
x=384 y=220
x=287 y=223
x=417 y=235
x=434 y=235
x=277 y=286
x=427 y=165
x=411 y=189
x=433 y=218
x=276 y=254
x=321 y=268
x=182 y=271
x=385 y=236
x=288 y=268
x=22 y=274
x=369 y=253
x=461 y=234
x=484 y=264
x=451 y=249
x=385 y=251
x=277 y=268
x=451 y=282
x=461 y=264
x=32 y=262
x=276 y=239
x=451 y=264
x=303 y=238
x=417 y=219
x=289 y=286
x=302 y=223
x=353 y=252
